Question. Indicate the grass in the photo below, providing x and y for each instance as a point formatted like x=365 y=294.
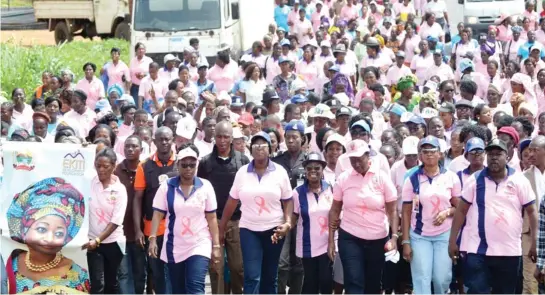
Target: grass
x=15 y=3
x=22 y=66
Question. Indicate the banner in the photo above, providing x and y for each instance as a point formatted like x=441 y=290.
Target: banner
x=43 y=218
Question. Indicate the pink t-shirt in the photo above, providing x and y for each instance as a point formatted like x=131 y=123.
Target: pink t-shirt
x=24 y=118
x=301 y=29
x=93 y=89
x=107 y=205
x=343 y=163
x=421 y=65
x=382 y=62
x=410 y=45
x=160 y=86
x=225 y=77
x=116 y=72
x=309 y=71
x=349 y=12
x=139 y=66
x=432 y=197
x=494 y=220
x=168 y=75
x=504 y=33
x=364 y=201
x=395 y=73
x=272 y=68
x=187 y=233
x=260 y=199
x=125 y=130
x=82 y=123
x=434 y=30
x=533 y=16
x=312 y=224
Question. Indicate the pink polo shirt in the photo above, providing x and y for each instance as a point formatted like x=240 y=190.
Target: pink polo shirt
x=410 y=45
x=421 y=65
x=432 y=196
x=187 y=233
x=25 y=117
x=300 y=29
x=272 y=69
x=435 y=30
x=494 y=220
x=82 y=123
x=139 y=66
x=125 y=130
x=315 y=19
x=382 y=62
x=533 y=16
x=107 y=205
x=168 y=76
x=160 y=86
x=343 y=163
x=93 y=89
x=504 y=33
x=395 y=73
x=260 y=198
x=116 y=72
x=312 y=224
x=309 y=71
x=225 y=77
x=349 y=12
x=364 y=200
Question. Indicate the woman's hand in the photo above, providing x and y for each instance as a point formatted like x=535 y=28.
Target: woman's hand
x=90 y=246
x=280 y=232
x=390 y=245
x=331 y=250
x=440 y=218
x=407 y=252
x=216 y=258
x=152 y=249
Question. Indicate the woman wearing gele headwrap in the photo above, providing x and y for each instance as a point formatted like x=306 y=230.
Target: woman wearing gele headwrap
x=46 y=216
x=520 y=83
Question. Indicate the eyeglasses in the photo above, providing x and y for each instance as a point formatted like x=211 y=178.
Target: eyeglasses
x=476 y=152
x=313 y=168
x=188 y=165
x=260 y=146
x=429 y=151
x=449 y=90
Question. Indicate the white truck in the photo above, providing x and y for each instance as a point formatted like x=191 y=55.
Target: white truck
x=166 y=26
x=103 y=18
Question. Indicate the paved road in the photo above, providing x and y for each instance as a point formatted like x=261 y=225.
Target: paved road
x=21 y=18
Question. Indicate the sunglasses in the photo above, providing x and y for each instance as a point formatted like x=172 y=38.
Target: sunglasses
x=313 y=168
x=476 y=152
x=260 y=146
x=188 y=165
x=429 y=151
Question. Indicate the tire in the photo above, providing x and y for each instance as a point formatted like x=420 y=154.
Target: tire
x=62 y=33
x=123 y=31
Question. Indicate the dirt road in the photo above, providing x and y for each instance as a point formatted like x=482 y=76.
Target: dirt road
x=28 y=38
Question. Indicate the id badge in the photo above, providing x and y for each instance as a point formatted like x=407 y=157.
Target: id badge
x=416 y=205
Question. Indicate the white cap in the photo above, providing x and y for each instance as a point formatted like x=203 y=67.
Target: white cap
x=343 y=98
x=321 y=110
x=428 y=113
x=405 y=117
x=336 y=137
x=237 y=133
x=357 y=148
x=410 y=145
x=223 y=95
x=186 y=127
x=187 y=152
x=170 y=57
x=325 y=43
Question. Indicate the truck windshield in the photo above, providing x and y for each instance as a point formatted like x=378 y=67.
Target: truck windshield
x=176 y=15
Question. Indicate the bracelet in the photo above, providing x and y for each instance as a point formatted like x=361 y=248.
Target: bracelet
x=405 y=242
x=395 y=235
x=216 y=246
x=97 y=240
x=152 y=237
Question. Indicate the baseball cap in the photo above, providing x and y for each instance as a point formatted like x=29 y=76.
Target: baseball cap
x=410 y=145
x=342 y=97
x=269 y=95
x=237 y=101
x=357 y=148
x=438 y=52
x=368 y=94
x=397 y=109
x=474 y=143
x=416 y=119
x=511 y=132
x=431 y=140
x=325 y=43
x=315 y=157
x=343 y=111
x=465 y=64
x=185 y=153
x=447 y=107
x=295 y=125
x=283 y=59
x=103 y=105
x=237 y=133
x=21 y=132
x=333 y=103
x=186 y=127
x=321 y=110
x=363 y=124
x=125 y=97
x=285 y=42
x=336 y=137
x=428 y=113
x=202 y=65
x=496 y=144
x=334 y=68
x=260 y=111
x=170 y=57
x=400 y=53
x=464 y=103
x=246 y=119
x=299 y=98
x=263 y=135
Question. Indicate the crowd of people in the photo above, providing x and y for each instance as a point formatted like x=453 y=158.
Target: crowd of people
x=348 y=151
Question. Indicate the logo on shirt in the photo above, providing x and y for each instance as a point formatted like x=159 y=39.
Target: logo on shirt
x=73 y=164
x=112 y=198
x=163 y=178
x=23 y=161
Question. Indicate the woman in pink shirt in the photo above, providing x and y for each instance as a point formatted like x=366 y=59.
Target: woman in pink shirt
x=107 y=205
x=410 y=42
x=138 y=68
x=532 y=16
x=117 y=71
x=188 y=203
x=22 y=112
x=223 y=73
x=312 y=201
x=264 y=191
x=91 y=85
x=430 y=196
x=308 y=68
x=368 y=200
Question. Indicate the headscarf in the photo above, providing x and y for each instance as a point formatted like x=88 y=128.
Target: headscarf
x=117 y=88
x=380 y=40
x=50 y=196
x=493 y=88
x=342 y=80
x=516 y=29
x=406 y=82
x=530 y=107
x=488 y=49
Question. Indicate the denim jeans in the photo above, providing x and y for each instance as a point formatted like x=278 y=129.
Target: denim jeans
x=103 y=263
x=491 y=274
x=159 y=273
x=260 y=258
x=134 y=94
x=189 y=275
x=290 y=267
x=363 y=262
x=318 y=275
x=430 y=263
x=132 y=271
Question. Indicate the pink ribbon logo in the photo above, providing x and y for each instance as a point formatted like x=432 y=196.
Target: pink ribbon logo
x=103 y=216
x=323 y=225
x=260 y=201
x=500 y=218
x=186 y=224
x=436 y=203
x=363 y=207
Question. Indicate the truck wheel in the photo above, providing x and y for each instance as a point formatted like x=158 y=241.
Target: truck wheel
x=123 y=31
x=62 y=33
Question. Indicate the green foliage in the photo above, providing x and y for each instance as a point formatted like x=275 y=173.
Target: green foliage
x=22 y=66
x=16 y=3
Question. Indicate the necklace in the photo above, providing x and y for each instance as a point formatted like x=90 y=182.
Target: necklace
x=41 y=268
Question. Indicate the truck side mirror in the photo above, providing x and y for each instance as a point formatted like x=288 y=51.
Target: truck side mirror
x=234 y=10
x=460 y=1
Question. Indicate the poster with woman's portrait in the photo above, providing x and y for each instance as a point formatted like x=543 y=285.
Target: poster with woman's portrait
x=43 y=218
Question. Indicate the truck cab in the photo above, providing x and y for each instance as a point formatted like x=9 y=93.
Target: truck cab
x=479 y=14
x=166 y=26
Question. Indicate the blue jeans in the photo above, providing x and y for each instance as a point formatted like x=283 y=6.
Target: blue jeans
x=363 y=262
x=161 y=278
x=134 y=94
x=430 y=263
x=189 y=275
x=260 y=259
x=132 y=271
x=491 y=274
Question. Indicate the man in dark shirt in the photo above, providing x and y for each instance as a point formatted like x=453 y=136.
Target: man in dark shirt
x=132 y=271
x=290 y=268
x=220 y=168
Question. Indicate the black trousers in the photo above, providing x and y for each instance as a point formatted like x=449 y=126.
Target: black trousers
x=103 y=265
x=318 y=275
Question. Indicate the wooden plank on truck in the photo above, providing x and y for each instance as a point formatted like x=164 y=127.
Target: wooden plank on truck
x=73 y=9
